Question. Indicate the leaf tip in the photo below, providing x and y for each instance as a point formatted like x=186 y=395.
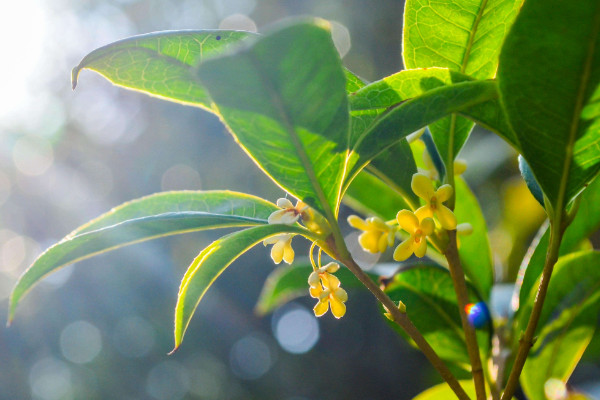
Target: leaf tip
x=174 y=349
x=75 y=76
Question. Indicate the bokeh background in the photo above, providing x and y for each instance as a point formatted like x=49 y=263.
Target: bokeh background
x=102 y=329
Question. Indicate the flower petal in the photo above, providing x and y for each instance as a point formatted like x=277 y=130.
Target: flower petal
x=424 y=212
x=284 y=203
x=321 y=307
x=421 y=249
x=404 y=249
x=446 y=217
x=332 y=267
x=315 y=291
x=356 y=222
x=341 y=294
x=288 y=252
x=427 y=226
x=443 y=193
x=313 y=279
x=277 y=251
x=382 y=243
x=332 y=282
x=377 y=223
x=276 y=217
x=368 y=241
x=338 y=308
x=407 y=221
x=422 y=186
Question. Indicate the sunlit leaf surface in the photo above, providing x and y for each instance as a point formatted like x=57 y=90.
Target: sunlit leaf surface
x=161 y=64
x=147 y=218
x=567 y=323
x=549 y=79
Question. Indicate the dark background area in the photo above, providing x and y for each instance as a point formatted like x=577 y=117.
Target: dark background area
x=102 y=328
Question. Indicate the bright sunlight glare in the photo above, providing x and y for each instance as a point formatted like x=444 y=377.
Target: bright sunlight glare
x=22 y=27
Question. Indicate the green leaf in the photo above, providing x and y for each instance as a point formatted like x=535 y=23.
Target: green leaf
x=567 y=323
x=474 y=251
x=459 y=35
x=532 y=184
x=410 y=84
x=395 y=166
x=443 y=391
x=211 y=262
x=371 y=196
x=463 y=36
x=585 y=223
x=289 y=282
x=548 y=77
x=413 y=114
x=431 y=304
x=292 y=121
x=161 y=64
x=143 y=219
x=353 y=82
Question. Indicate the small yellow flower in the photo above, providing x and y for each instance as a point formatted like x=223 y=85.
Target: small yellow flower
x=326 y=287
x=418 y=231
x=288 y=213
x=282 y=248
x=423 y=187
x=377 y=235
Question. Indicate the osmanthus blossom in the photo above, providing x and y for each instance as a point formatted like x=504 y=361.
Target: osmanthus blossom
x=377 y=235
x=418 y=230
x=282 y=248
x=326 y=287
x=282 y=244
x=288 y=214
x=423 y=187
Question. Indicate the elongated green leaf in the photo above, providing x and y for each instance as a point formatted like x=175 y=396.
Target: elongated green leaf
x=567 y=323
x=431 y=304
x=459 y=35
x=418 y=112
x=289 y=282
x=353 y=82
x=409 y=84
x=549 y=76
x=147 y=218
x=211 y=262
x=292 y=121
x=161 y=64
x=586 y=222
x=475 y=253
x=462 y=36
x=395 y=166
x=371 y=196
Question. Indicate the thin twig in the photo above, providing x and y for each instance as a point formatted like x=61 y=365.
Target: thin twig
x=460 y=287
x=405 y=323
x=526 y=342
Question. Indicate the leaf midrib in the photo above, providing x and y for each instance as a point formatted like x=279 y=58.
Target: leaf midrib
x=298 y=146
x=585 y=77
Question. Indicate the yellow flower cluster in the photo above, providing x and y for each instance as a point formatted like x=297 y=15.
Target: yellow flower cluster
x=326 y=287
x=378 y=235
x=282 y=244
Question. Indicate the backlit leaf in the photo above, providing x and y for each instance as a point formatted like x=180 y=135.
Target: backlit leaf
x=161 y=64
x=147 y=218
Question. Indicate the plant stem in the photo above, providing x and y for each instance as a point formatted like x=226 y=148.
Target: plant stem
x=460 y=287
x=405 y=323
x=526 y=342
